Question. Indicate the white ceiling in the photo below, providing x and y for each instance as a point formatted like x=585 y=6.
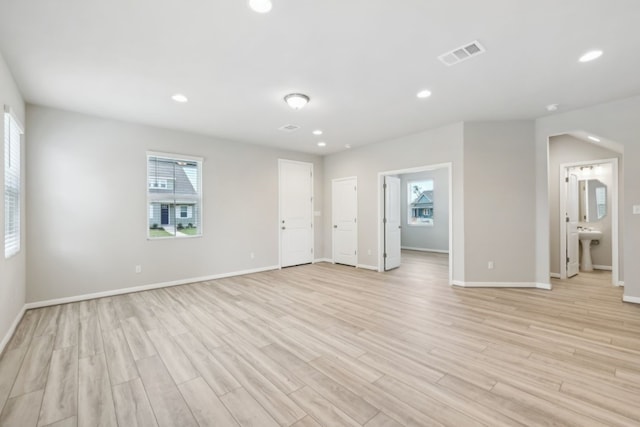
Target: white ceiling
x=360 y=61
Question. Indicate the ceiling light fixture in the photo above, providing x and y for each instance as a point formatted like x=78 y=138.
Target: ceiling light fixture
x=178 y=97
x=260 y=6
x=317 y=132
x=322 y=144
x=296 y=100
x=593 y=138
x=591 y=55
x=424 y=94
x=552 y=107
x=347 y=146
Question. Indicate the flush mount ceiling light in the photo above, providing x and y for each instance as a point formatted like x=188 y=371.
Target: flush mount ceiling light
x=347 y=146
x=552 y=107
x=296 y=100
x=424 y=94
x=260 y=6
x=322 y=144
x=593 y=138
x=317 y=132
x=590 y=56
x=178 y=97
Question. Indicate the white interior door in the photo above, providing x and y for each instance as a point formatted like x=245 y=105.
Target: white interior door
x=392 y=224
x=344 y=202
x=296 y=213
x=573 y=262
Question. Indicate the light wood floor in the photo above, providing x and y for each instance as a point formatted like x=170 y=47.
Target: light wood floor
x=330 y=345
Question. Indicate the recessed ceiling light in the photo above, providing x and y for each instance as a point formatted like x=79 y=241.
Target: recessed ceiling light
x=552 y=107
x=322 y=144
x=317 y=132
x=296 y=100
x=424 y=93
x=593 y=138
x=591 y=55
x=260 y=6
x=178 y=97
x=347 y=145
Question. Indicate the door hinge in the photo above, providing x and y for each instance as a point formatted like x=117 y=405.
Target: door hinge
x=355 y=188
x=311 y=250
x=567 y=260
x=566 y=179
x=384 y=220
x=355 y=252
x=567 y=219
x=355 y=219
x=384 y=186
x=384 y=255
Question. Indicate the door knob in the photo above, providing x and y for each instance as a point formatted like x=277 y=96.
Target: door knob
x=335 y=226
x=284 y=228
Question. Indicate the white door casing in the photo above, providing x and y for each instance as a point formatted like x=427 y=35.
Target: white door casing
x=572 y=220
x=392 y=223
x=296 y=212
x=344 y=202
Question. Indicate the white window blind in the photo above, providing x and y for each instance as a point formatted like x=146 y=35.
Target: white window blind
x=12 y=133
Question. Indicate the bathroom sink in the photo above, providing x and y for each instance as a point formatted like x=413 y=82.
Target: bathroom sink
x=589 y=234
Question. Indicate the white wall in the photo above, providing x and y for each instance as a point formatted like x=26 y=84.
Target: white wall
x=436 y=237
x=441 y=145
x=569 y=149
x=616 y=121
x=86 y=181
x=499 y=188
x=12 y=270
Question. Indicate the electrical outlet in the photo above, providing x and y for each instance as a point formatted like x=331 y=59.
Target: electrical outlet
x=138 y=269
x=490 y=265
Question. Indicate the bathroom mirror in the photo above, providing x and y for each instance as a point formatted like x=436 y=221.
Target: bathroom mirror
x=593 y=200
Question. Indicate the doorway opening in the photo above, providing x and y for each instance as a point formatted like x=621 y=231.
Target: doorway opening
x=408 y=202
x=584 y=183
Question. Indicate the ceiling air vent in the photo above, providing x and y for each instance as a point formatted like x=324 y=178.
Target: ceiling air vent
x=289 y=128
x=461 y=53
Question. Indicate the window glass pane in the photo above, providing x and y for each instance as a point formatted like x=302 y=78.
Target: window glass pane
x=173 y=191
x=12 y=135
x=420 y=201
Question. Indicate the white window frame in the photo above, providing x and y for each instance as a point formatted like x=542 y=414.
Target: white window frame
x=409 y=193
x=13 y=131
x=175 y=204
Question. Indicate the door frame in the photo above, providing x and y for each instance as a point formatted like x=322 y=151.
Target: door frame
x=380 y=183
x=615 y=261
x=357 y=224
x=311 y=207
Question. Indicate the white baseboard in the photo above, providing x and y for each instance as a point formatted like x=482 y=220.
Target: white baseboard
x=440 y=251
x=602 y=267
x=501 y=284
x=84 y=297
x=329 y=260
x=11 y=330
x=635 y=300
x=555 y=275
x=367 y=267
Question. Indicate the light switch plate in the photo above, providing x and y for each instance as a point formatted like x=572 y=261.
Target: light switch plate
x=636 y=209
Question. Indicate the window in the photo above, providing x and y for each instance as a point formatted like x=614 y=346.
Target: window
x=12 y=132
x=174 y=194
x=420 y=201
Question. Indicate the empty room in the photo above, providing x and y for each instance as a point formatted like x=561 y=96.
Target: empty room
x=320 y=213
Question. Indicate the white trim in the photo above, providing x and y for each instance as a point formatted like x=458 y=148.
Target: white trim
x=9 y=111
x=620 y=283
x=133 y=289
x=555 y=275
x=627 y=298
x=602 y=267
x=12 y=329
x=174 y=156
x=440 y=251
x=501 y=284
x=367 y=267
x=329 y=260
x=564 y=167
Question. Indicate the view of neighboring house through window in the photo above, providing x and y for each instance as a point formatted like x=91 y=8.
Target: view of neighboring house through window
x=12 y=133
x=174 y=195
x=420 y=198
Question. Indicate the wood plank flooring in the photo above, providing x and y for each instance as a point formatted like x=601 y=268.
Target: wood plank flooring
x=329 y=345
